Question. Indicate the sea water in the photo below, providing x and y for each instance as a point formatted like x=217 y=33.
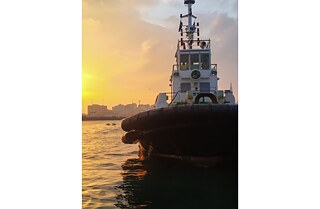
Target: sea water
x=114 y=177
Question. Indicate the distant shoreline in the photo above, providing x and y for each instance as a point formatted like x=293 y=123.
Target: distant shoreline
x=85 y=118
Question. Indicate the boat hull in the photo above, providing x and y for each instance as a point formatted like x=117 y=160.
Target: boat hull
x=201 y=134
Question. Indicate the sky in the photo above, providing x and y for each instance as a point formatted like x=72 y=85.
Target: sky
x=128 y=47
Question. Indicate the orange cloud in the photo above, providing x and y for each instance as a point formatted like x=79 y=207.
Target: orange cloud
x=127 y=59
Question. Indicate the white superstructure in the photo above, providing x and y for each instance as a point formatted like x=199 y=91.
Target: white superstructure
x=194 y=78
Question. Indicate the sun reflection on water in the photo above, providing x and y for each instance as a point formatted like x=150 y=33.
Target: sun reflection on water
x=114 y=177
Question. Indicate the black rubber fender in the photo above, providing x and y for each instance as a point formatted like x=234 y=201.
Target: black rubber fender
x=184 y=114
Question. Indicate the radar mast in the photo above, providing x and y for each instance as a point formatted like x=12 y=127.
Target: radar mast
x=190 y=28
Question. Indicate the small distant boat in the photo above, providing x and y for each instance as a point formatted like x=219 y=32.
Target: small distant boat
x=199 y=124
x=108 y=124
x=113 y=124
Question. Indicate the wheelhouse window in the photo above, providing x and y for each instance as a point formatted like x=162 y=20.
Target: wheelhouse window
x=205 y=62
x=184 y=62
x=185 y=87
x=194 y=61
x=205 y=87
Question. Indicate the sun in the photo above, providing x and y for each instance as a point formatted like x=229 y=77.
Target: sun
x=87 y=79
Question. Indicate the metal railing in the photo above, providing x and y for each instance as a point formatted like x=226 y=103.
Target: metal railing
x=183 y=44
x=173 y=95
x=214 y=69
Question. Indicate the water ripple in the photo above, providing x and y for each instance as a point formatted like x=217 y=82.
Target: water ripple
x=114 y=177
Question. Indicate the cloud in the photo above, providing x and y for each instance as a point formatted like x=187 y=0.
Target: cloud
x=224 y=33
x=129 y=58
x=158 y=12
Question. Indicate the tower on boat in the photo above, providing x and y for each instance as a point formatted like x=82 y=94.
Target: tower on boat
x=194 y=79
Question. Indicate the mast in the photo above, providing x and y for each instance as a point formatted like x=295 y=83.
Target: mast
x=190 y=28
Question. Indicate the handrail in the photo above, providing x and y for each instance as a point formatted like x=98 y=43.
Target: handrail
x=181 y=45
x=211 y=91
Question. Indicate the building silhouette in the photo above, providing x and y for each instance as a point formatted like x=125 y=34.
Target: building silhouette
x=96 y=110
x=120 y=110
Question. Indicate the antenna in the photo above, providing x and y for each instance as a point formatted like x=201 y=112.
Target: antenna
x=191 y=27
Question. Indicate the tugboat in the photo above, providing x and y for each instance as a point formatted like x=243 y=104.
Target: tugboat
x=196 y=122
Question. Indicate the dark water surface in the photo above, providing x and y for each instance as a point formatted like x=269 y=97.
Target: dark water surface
x=114 y=177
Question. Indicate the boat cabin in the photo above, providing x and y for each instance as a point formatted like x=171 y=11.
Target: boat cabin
x=193 y=73
x=194 y=78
